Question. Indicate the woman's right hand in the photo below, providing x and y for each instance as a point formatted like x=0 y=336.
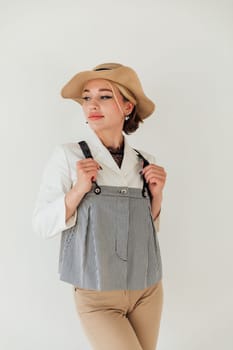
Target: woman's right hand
x=87 y=170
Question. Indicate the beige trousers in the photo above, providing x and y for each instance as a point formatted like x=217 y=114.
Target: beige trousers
x=120 y=319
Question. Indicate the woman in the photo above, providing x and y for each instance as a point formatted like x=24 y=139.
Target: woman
x=105 y=198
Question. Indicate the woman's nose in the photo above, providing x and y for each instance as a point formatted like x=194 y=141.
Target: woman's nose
x=93 y=104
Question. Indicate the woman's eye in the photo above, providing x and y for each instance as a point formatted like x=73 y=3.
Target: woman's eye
x=86 y=98
x=105 y=97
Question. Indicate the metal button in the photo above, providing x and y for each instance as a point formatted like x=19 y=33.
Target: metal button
x=97 y=190
x=124 y=190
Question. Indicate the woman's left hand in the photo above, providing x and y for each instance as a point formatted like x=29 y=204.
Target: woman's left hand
x=155 y=176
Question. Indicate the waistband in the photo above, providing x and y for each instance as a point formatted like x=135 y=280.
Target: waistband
x=118 y=191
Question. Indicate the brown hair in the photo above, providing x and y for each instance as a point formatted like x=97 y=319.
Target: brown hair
x=132 y=123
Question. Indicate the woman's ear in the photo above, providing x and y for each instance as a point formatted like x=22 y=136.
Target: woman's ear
x=129 y=107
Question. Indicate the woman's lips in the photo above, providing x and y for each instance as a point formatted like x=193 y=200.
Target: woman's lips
x=95 y=117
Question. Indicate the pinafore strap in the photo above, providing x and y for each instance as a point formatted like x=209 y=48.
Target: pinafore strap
x=87 y=153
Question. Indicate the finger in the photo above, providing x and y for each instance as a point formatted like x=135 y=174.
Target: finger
x=153 y=165
x=154 y=176
x=154 y=180
x=155 y=171
x=80 y=164
x=88 y=169
x=87 y=160
x=90 y=162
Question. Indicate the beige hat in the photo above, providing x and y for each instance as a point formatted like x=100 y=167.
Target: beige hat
x=126 y=79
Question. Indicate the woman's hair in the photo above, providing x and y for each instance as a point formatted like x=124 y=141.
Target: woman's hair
x=132 y=123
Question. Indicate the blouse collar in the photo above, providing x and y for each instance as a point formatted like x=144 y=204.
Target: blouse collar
x=102 y=154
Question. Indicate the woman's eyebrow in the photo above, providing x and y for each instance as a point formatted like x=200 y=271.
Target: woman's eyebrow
x=104 y=89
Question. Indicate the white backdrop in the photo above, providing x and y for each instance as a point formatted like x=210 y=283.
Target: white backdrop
x=182 y=51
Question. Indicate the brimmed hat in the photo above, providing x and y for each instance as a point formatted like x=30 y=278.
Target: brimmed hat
x=124 y=76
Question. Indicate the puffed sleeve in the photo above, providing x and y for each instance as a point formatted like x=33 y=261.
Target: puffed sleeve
x=48 y=217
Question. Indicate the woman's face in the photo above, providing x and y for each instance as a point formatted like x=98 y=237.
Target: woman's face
x=102 y=111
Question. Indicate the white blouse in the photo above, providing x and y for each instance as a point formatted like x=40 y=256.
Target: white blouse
x=60 y=175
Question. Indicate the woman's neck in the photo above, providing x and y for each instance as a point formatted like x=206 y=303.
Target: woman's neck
x=112 y=141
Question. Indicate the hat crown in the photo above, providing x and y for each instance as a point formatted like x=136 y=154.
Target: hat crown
x=107 y=66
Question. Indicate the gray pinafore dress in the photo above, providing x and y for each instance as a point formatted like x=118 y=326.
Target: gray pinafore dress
x=113 y=244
